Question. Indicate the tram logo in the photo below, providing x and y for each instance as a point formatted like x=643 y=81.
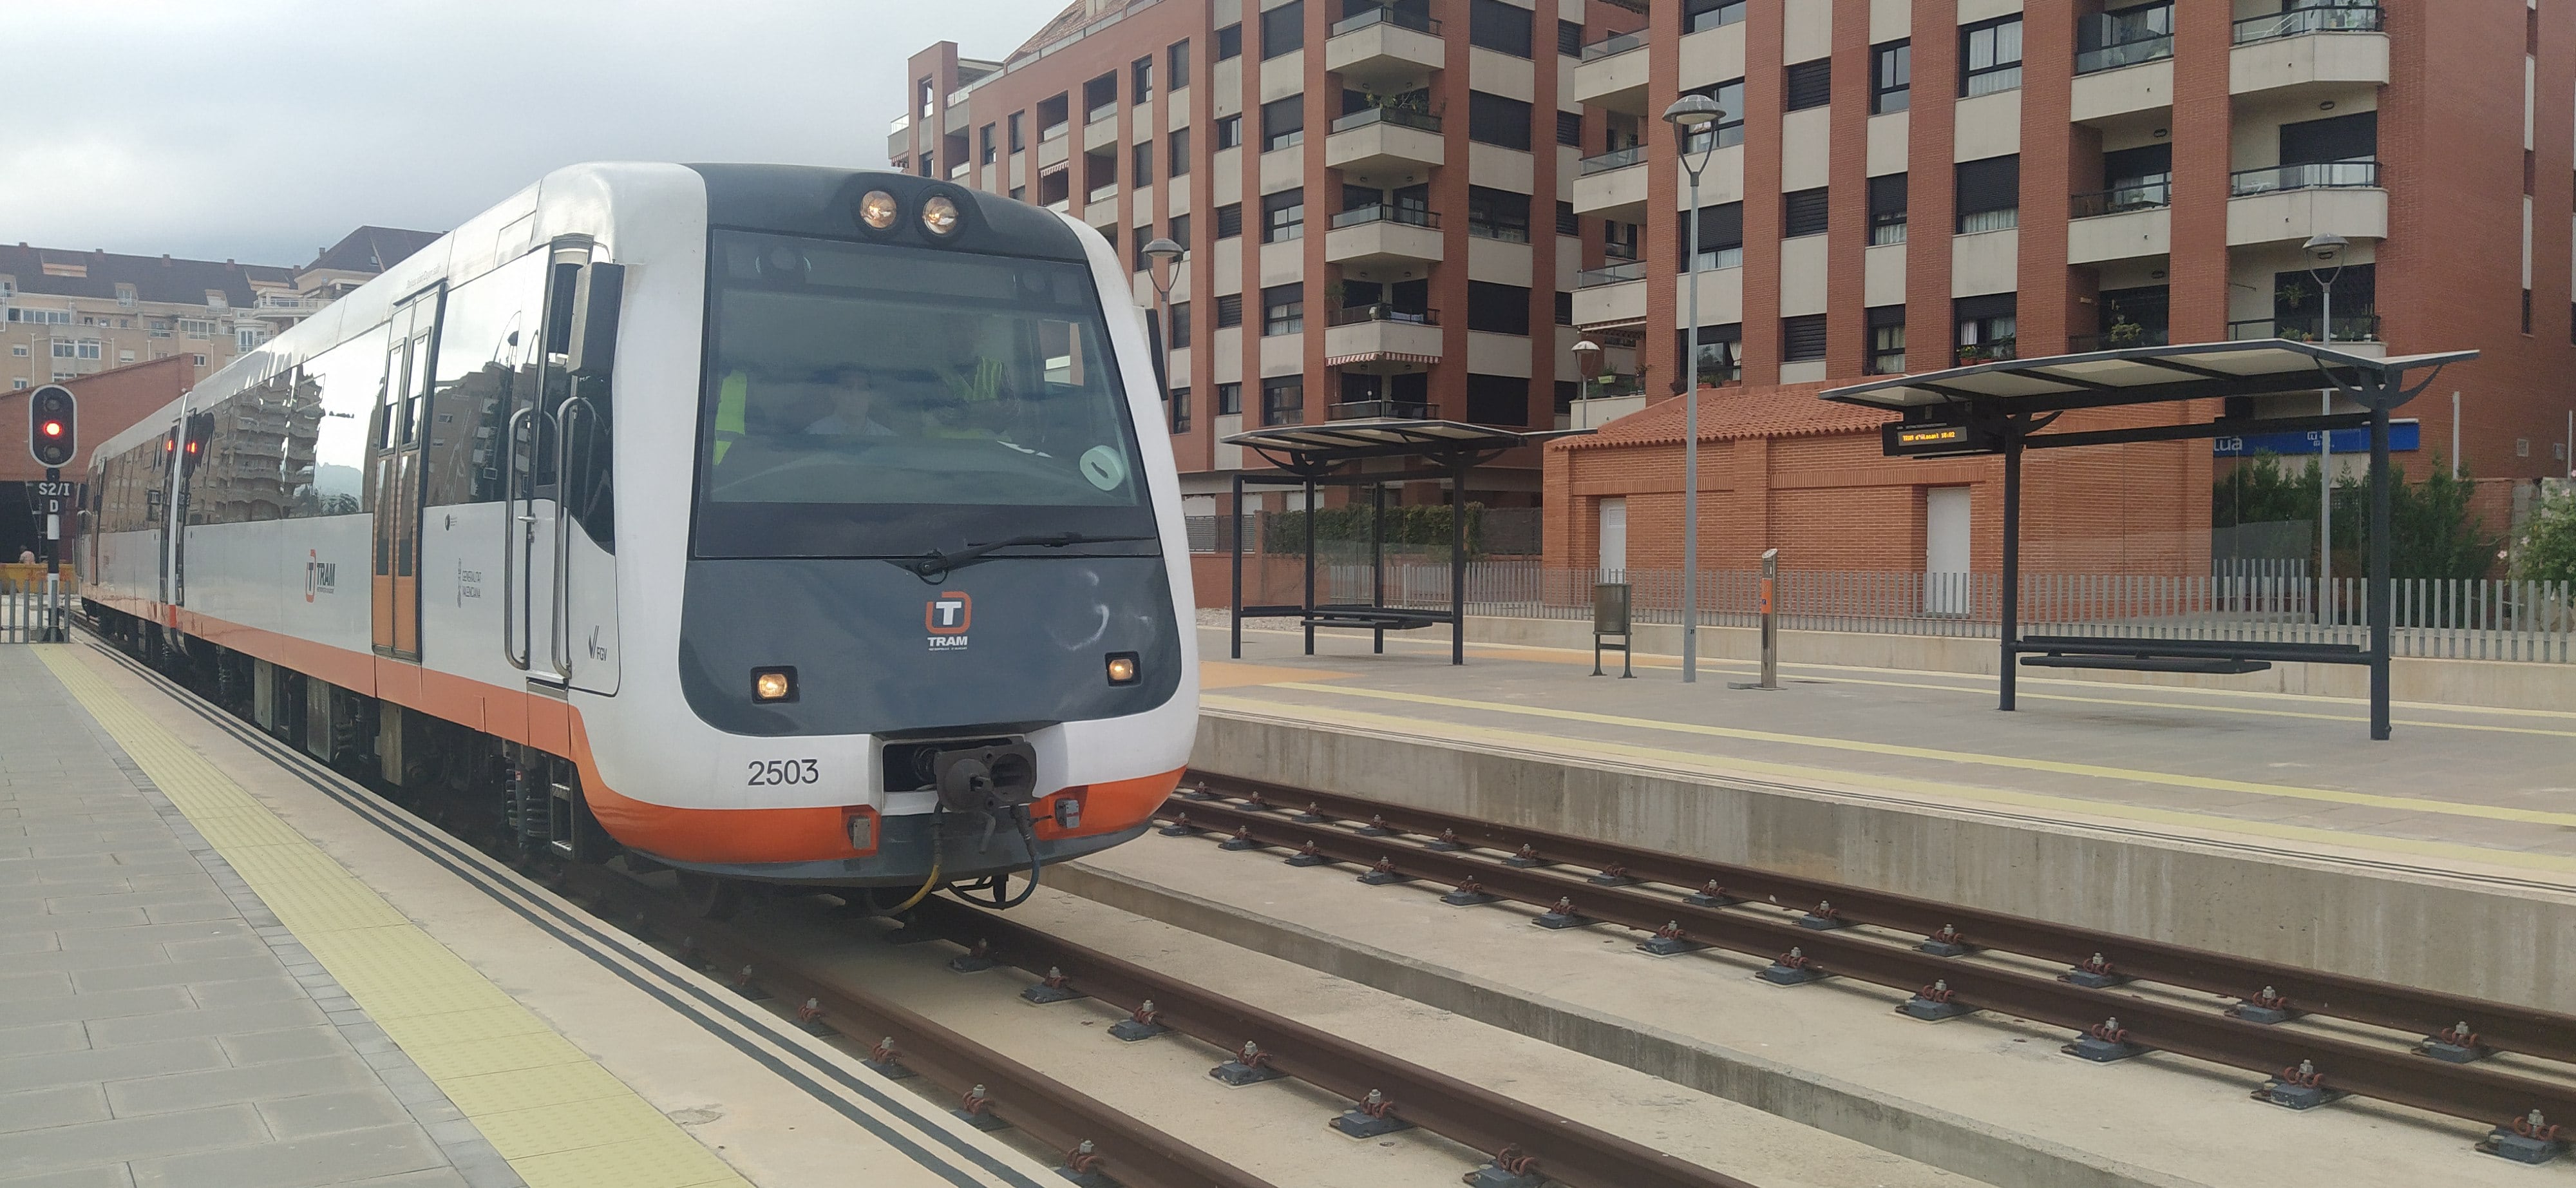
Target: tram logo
x=947 y=617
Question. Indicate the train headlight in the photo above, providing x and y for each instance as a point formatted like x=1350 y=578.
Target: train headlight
x=877 y=209
x=773 y=684
x=939 y=216
x=1122 y=668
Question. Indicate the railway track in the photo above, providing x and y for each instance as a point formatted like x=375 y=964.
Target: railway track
x=1690 y=903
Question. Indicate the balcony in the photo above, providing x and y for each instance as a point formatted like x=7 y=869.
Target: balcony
x=899 y=138
x=1612 y=74
x=1383 y=138
x=2315 y=46
x=2118 y=339
x=1381 y=333
x=2136 y=51
x=1383 y=50
x=1612 y=183
x=1378 y=410
x=1382 y=234
x=1610 y=295
x=2292 y=202
x=1634 y=154
x=2124 y=222
x=2353 y=330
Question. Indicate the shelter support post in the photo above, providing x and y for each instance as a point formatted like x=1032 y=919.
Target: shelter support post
x=2378 y=593
x=1310 y=566
x=1237 y=535
x=1377 y=559
x=1458 y=565
x=2010 y=633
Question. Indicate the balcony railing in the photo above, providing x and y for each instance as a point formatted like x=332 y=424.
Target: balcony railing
x=1374 y=410
x=1610 y=274
x=1384 y=16
x=1102 y=112
x=1404 y=117
x=1987 y=352
x=2122 y=199
x=2311 y=18
x=1051 y=132
x=1489 y=229
x=1634 y=154
x=2314 y=175
x=2357 y=327
x=1382 y=312
x=1615 y=44
x=1410 y=216
x=2118 y=339
x=900 y=123
x=2124 y=53
x=1101 y=193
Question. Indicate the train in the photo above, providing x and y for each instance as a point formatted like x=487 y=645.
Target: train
x=777 y=525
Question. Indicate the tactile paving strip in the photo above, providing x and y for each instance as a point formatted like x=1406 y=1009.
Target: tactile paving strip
x=560 y=1119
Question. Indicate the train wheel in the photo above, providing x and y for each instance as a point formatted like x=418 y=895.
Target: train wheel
x=710 y=897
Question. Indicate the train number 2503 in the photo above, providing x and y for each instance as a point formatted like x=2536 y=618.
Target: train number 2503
x=771 y=772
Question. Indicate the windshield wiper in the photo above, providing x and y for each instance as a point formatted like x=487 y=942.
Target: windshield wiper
x=930 y=567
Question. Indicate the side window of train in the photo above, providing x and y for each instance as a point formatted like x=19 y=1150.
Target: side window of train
x=588 y=418
x=331 y=419
x=486 y=337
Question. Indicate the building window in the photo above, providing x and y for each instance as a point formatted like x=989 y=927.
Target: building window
x=1180 y=325
x=925 y=92
x=1139 y=237
x=1498 y=214
x=1178 y=151
x=18 y=384
x=1721 y=352
x=1990 y=56
x=246 y=338
x=2526 y=311
x=1229 y=132
x=123 y=357
x=1180 y=410
x=1989 y=194
x=1730 y=122
x=1140 y=79
x=1802 y=339
x=1721 y=238
x=1887 y=209
x=1568 y=222
x=1702 y=15
x=1179 y=229
x=1502 y=28
x=1803 y=212
x=1498 y=400
x=1283 y=400
x=1019 y=140
x=1019 y=193
x=1283 y=122
x=1891 y=77
x=1569 y=39
x=1177 y=64
x=1229 y=400
x=1283 y=216
x=984 y=145
x=201 y=360
x=1229 y=42
x=1809 y=84
x=1498 y=309
x=1229 y=310
x=125 y=293
x=1496 y=120
x=927 y=169
x=1564 y=308
x=1283 y=309
x=1229 y=220
x=1283 y=29
x=1985 y=327
x=19 y=349
x=1886 y=340
x=1140 y=171
x=1569 y=128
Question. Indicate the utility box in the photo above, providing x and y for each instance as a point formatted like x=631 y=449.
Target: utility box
x=1610 y=617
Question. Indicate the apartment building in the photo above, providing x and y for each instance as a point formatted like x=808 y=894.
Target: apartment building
x=1375 y=197
x=66 y=314
x=1909 y=185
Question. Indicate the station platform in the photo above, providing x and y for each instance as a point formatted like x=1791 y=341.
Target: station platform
x=2261 y=823
x=222 y=965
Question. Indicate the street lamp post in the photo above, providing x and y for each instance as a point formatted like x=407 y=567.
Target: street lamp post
x=2327 y=247
x=1580 y=348
x=1159 y=251
x=1689 y=115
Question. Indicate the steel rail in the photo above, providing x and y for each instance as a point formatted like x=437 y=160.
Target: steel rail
x=2499 y=1026
x=2370 y=1070
x=1564 y=1149
x=1127 y=1150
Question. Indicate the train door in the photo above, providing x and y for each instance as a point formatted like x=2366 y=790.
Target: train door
x=394 y=456
x=585 y=569
x=165 y=489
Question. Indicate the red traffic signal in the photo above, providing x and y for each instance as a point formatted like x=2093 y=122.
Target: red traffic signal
x=52 y=425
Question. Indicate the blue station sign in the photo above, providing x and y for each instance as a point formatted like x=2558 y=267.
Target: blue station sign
x=2403 y=437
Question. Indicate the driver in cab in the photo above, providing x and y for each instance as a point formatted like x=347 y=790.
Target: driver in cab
x=798 y=406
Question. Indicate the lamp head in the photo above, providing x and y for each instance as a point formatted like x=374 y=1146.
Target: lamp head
x=2325 y=246
x=1690 y=113
x=1586 y=345
x=1161 y=248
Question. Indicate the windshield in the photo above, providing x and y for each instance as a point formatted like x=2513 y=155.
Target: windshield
x=869 y=400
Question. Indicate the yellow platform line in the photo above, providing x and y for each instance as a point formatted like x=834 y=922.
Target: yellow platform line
x=2067 y=810
x=560 y=1119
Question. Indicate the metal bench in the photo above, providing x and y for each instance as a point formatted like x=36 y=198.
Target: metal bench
x=2218 y=657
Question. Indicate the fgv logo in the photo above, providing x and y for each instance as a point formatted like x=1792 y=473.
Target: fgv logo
x=947 y=617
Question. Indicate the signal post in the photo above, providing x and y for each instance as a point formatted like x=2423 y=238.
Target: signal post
x=53 y=435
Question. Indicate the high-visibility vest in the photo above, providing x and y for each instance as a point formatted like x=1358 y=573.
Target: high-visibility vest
x=731 y=399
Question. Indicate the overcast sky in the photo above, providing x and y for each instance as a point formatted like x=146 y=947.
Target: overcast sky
x=261 y=130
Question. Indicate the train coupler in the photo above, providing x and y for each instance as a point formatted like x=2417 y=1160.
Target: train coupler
x=1934 y=1003
x=1669 y=940
x=1143 y=1023
x=1793 y=968
x=2530 y=1139
x=1374 y=1116
x=1251 y=1066
x=2266 y=1008
x=2301 y=1088
x=1053 y=989
x=2103 y=1043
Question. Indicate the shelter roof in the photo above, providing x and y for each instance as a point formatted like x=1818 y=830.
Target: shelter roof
x=2141 y=375
x=1728 y=413
x=1386 y=437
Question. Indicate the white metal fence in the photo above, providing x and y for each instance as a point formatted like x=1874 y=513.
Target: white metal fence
x=28 y=615
x=2272 y=602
